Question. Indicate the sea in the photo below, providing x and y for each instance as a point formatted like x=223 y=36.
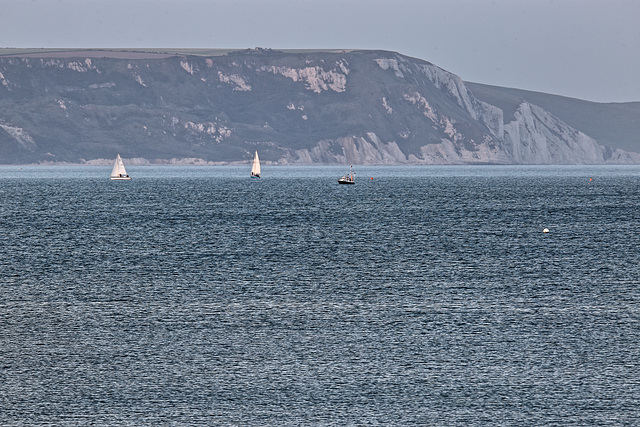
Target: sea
x=431 y=295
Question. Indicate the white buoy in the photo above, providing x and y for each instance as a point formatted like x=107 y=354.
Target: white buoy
x=546 y=230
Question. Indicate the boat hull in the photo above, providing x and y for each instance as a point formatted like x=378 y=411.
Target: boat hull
x=345 y=181
x=120 y=178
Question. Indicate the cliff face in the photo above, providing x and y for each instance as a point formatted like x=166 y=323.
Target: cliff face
x=611 y=124
x=363 y=107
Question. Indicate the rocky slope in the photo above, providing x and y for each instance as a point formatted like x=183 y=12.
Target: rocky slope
x=612 y=124
x=362 y=107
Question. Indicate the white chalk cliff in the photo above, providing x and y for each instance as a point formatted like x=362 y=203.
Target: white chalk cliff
x=363 y=107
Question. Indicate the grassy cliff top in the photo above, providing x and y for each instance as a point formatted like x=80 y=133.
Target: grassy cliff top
x=137 y=52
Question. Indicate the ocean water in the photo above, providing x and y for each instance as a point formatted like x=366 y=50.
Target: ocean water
x=418 y=296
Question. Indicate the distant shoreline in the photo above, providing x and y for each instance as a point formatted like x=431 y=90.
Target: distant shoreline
x=137 y=162
x=129 y=163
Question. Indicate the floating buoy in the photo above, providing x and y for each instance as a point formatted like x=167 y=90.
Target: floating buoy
x=371 y=178
x=546 y=230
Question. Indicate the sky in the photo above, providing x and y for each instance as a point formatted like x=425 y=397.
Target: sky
x=586 y=49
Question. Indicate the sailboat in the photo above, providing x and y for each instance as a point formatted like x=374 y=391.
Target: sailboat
x=255 y=169
x=348 y=178
x=119 y=172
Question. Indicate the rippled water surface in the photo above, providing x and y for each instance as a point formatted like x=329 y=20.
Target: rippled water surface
x=198 y=296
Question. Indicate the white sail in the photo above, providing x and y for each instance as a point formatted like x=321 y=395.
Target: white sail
x=118 y=171
x=255 y=169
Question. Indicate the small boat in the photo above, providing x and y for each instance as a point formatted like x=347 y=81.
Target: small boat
x=119 y=172
x=255 y=169
x=348 y=178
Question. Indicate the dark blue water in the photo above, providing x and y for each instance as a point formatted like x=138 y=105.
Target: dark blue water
x=198 y=296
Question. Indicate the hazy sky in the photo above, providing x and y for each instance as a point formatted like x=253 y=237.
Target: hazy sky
x=588 y=49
